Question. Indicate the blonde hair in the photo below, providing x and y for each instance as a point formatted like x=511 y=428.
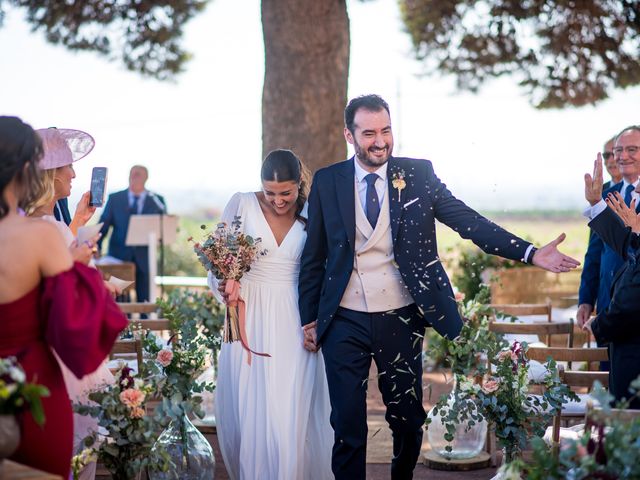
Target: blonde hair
x=46 y=195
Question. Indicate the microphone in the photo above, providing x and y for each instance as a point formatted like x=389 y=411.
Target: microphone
x=158 y=203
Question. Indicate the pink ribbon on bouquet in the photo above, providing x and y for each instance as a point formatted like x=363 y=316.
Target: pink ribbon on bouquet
x=232 y=289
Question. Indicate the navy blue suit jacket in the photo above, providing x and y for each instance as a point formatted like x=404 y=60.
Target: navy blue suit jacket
x=601 y=263
x=327 y=258
x=116 y=214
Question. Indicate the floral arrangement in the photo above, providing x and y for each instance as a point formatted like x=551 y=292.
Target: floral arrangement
x=16 y=393
x=228 y=253
x=608 y=449
x=504 y=399
x=492 y=382
x=120 y=409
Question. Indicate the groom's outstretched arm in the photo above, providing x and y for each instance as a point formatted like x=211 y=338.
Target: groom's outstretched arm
x=313 y=261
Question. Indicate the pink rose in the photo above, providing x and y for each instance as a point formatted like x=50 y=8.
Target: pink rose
x=132 y=397
x=490 y=386
x=137 y=412
x=164 y=357
x=459 y=296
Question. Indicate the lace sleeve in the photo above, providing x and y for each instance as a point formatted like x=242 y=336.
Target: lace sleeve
x=233 y=209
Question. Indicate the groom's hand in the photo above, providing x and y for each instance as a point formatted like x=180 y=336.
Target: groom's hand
x=552 y=259
x=310 y=338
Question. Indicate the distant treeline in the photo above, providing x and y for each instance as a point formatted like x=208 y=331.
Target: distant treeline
x=533 y=214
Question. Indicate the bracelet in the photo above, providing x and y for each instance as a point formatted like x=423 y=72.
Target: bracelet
x=531 y=254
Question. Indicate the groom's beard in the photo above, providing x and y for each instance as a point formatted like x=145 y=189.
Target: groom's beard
x=367 y=158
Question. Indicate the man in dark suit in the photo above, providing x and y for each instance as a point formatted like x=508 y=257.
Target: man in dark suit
x=601 y=262
x=620 y=330
x=136 y=200
x=371 y=281
x=610 y=164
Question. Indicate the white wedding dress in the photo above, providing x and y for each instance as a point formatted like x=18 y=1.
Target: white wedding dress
x=273 y=415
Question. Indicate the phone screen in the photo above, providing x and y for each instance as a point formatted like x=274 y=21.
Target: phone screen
x=98 y=186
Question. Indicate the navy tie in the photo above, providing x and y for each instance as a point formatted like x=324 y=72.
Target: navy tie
x=135 y=204
x=627 y=194
x=373 y=204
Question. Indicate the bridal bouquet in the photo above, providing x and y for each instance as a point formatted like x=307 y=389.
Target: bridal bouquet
x=228 y=253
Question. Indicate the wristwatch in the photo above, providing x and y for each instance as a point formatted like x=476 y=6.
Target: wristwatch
x=531 y=254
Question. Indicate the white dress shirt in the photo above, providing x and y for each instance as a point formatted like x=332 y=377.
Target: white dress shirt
x=361 y=183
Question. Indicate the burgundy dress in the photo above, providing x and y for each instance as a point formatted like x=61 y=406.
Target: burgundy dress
x=75 y=315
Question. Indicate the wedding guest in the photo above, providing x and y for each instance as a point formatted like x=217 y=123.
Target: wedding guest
x=46 y=302
x=610 y=164
x=136 y=200
x=371 y=281
x=273 y=414
x=63 y=147
x=615 y=327
x=601 y=262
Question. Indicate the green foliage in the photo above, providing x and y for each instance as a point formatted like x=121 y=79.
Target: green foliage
x=562 y=52
x=145 y=36
x=608 y=449
x=197 y=319
x=120 y=409
x=16 y=393
x=499 y=393
x=472 y=262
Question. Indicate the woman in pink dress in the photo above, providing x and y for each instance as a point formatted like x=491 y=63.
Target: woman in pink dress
x=46 y=302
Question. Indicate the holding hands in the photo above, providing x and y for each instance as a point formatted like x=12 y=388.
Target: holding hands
x=310 y=339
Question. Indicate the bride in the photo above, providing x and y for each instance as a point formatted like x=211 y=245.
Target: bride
x=273 y=414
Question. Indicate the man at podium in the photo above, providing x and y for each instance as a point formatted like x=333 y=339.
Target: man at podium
x=135 y=200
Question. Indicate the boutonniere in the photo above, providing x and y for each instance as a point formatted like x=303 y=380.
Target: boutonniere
x=398 y=182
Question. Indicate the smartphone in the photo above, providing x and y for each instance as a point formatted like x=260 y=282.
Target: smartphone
x=98 y=186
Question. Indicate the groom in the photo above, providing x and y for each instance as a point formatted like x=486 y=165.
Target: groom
x=371 y=281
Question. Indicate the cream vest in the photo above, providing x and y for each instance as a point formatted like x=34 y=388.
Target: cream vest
x=375 y=284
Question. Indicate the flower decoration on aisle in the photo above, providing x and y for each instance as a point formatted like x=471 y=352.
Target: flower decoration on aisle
x=124 y=443
x=17 y=394
x=228 y=254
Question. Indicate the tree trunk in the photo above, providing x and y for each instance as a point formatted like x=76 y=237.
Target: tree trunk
x=305 y=82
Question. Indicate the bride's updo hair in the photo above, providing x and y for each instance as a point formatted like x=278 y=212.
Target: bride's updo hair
x=284 y=166
x=20 y=152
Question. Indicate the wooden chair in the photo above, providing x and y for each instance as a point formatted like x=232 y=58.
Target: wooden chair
x=130 y=348
x=524 y=310
x=541 y=329
x=138 y=307
x=573 y=378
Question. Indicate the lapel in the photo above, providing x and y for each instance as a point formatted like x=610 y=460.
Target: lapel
x=345 y=195
x=395 y=204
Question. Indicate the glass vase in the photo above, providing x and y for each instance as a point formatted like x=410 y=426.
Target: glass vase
x=208 y=398
x=468 y=441
x=9 y=436
x=508 y=470
x=189 y=451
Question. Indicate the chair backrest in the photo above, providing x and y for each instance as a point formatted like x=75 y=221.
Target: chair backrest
x=524 y=310
x=559 y=354
x=542 y=329
x=138 y=307
x=128 y=346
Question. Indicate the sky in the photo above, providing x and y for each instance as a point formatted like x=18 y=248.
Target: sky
x=200 y=136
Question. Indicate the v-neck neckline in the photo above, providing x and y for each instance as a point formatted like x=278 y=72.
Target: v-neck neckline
x=264 y=218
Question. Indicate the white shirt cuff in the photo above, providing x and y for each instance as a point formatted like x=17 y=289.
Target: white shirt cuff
x=526 y=253
x=594 y=211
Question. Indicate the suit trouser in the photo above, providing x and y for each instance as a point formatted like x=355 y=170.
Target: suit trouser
x=394 y=341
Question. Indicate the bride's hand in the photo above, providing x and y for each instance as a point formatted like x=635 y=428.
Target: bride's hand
x=222 y=289
x=310 y=337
